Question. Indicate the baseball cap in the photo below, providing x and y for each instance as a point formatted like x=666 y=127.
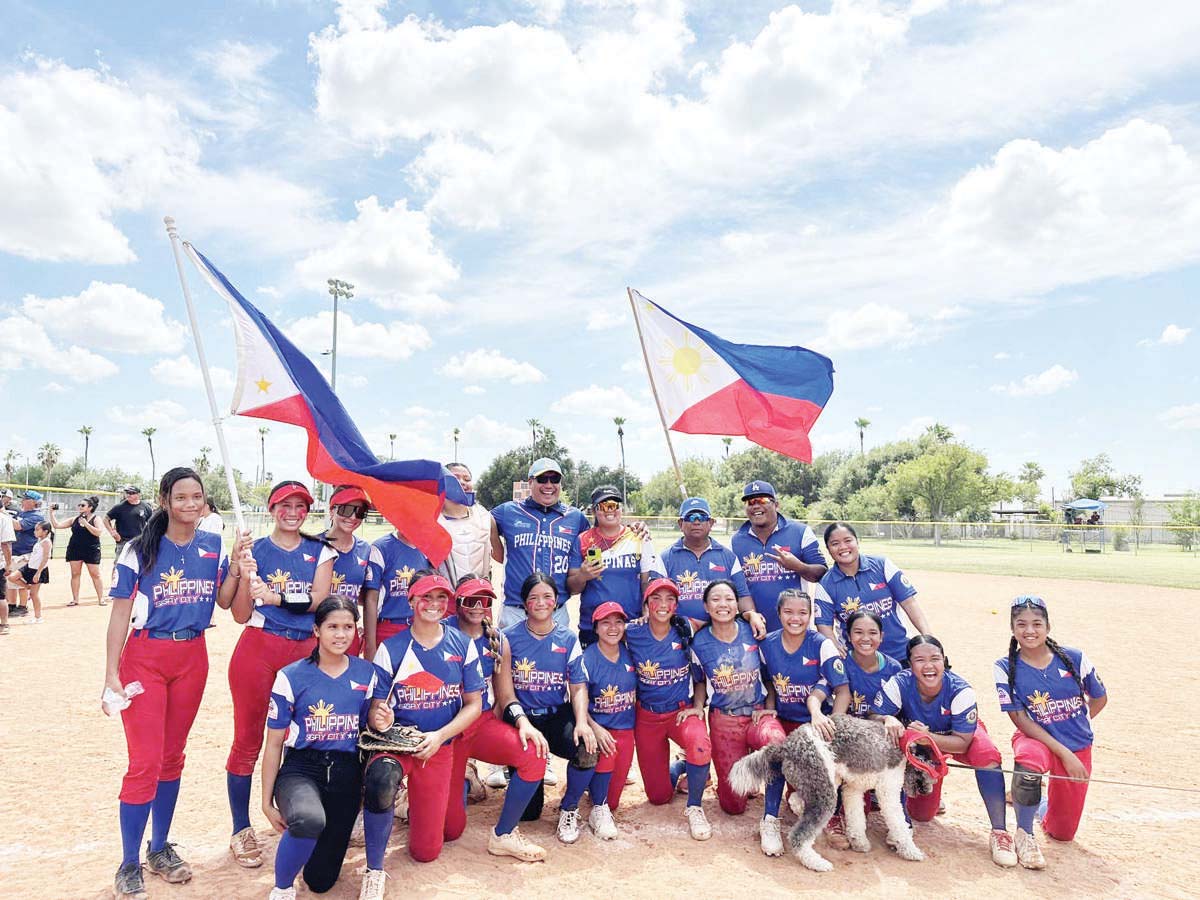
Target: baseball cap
x=427 y=583
x=286 y=489
x=350 y=494
x=661 y=584
x=758 y=489
x=608 y=608
x=7 y=492
x=475 y=587
x=694 y=504
x=31 y=495
x=605 y=492
x=544 y=465
x=131 y=489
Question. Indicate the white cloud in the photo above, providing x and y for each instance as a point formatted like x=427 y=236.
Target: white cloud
x=474 y=389
x=389 y=254
x=161 y=414
x=1001 y=355
x=1173 y=334
x=605 y=402
x=1051 y=381
x=871 y=325
x=111 y=317
x=38 y=351
x=482 y=431
x=603 y=319
x=490 y=365
x=55 y=388
x=237 y=63
x=1179 y=418
x=363 y=340
x=182 y=372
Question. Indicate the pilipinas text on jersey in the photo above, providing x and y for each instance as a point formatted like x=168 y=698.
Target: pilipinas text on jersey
x=318 y=711
x=542 y=667
x=952 y=710
x=612 y=687
x=179 y=594
x=814 y=666
x=663 y=666
x=732 y=669
x=425 y=685
x=1051 y=696
x=291 y=573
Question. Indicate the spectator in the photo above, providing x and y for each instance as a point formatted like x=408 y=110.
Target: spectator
x=471 y=529
x=25 y=522
x=126 y=520
x=84 y=546
x=211 y=520
x=7 y=536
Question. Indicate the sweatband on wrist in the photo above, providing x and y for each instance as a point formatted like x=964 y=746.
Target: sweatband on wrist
x=295 y=603
x=512 y=712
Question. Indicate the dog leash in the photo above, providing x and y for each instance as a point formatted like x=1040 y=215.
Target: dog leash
x=1137 y=784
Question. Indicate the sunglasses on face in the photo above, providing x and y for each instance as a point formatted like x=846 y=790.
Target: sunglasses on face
x=479 y=601
x=608 y=506
x=758 y=501
x=351 y=510
x=696 y=517
x=1028 y=600
x=549 y=478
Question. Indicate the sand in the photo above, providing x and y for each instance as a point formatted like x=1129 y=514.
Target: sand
x=63 y=762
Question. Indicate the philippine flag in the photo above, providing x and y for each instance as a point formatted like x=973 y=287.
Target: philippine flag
x=276 y=381
x=555 y=648
x=355 y=686
x=308 y=557
x=810 y=662
x=208 y=554
x=707 y=385
x=451 y=657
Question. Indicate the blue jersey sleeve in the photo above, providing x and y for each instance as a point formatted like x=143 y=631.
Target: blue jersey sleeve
x=822 y=605
x=833 y=667
x=125 y=583
x=576 y=673
x=1092 y=684
x=964 y=714
x=738 y=577
x=1000 y=675
x=279 y=709
x=385 y=672
x=888 y=701
x=575 y=557
x=810 y=549
x=897 y=582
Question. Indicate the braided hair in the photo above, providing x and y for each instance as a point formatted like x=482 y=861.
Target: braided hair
x=1052 y=645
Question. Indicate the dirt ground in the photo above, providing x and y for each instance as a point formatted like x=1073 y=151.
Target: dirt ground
x=63 y=760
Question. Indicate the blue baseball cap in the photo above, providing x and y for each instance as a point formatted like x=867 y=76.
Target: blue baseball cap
x=544 y=465
x=694 y=504
x=31 y=495
x=758 y=489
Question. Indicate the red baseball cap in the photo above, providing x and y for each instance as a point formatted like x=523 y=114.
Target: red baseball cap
x=608 y=608
x=661 y=584
x=350 y=494
x=427 y=583
x=476 y=587
x=286 y=489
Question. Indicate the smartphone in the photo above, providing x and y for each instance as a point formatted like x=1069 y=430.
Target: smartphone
x=594 y=556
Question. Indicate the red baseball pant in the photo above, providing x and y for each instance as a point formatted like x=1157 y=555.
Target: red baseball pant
x=652 y=734
x=494 y=741
x=980 y=754
x=618 y=762
x=428 y=789
x=732 y=738
x=1064 y=799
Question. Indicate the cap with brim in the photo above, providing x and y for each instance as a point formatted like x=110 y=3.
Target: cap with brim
x=694 y=504
x=609 y=608
x=661 y=584
x=605 y=492
x=289 y=489
x=31 y=495
x=350 y=495
x=476 y=587
x=428 y=583
x=131 y=489
x=758 y=489
x=544 y=465
x=7 y=492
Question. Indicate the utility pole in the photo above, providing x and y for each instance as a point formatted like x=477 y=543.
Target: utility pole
x=338 y=290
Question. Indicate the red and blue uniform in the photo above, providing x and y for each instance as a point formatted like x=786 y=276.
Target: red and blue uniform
x=878 y=587
x=537 y=538
x=766 y=577
x=398 y=562
x=865 y=685
x=543 y=667
x=320 y=712
x=357 y=570
x=815 y=666
x=626 y=558
x=612 y=702
x=693 y=573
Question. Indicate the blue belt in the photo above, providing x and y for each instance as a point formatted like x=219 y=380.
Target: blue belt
x=543 y=710
x=292 y=634
x=184 y=634
x=663 y=707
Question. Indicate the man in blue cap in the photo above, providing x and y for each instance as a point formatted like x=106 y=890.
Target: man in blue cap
x=775 y=553
x=696 y=560
x=23 y=525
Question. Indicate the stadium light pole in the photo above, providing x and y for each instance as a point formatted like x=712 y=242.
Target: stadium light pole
x=339 y=290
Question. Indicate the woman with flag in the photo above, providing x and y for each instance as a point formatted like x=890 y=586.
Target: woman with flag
x=290 y=572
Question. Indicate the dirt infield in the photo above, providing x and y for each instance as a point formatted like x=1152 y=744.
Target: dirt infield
x=63 y=762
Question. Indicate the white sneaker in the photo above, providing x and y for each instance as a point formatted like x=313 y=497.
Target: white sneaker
x=698 y=823
x=372 y=884
x=38 y=621
x=497 y=778
x=568 y=826
x=515 y=845
x=278 y=893
x=769 y=836
x=602 y=823
x=1001 y=845
x=549 y=779
x=245 y=849
x=1029 y=854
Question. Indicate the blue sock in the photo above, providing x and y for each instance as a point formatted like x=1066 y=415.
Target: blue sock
x=133 y=825
x=466 y=791
x=290 y=857
x=1025 y=817
x=697 y=779
x=599 y=788
x=238 y=787
x=519 y=793
x=162 y=812
x=676 y=770
x=904 y=806
x=991 y=788
x=577 y=782
x=773 y=796
x=377 y=826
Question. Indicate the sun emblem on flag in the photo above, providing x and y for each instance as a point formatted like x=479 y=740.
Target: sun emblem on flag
x=648 y=669
x=685 y=361
x=781 y=683
x=753 y=562
x=725 y=671
x=172 y=578
x=321 y=712
x=525 y=667
x=279 y=579
x=609 y=694
x=1039 y=699
x=852 y=605
x=687 y=579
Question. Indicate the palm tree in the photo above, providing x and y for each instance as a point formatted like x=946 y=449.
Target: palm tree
x=392 y=445
x=263 y=431
x=9 y=458
x=48 y=455
x=149 y=435
x=534 y=424
x=620 y=421
x=201 y=461
x=86 y=431
x=727 y=441
x=456 y=435
x=862 y=425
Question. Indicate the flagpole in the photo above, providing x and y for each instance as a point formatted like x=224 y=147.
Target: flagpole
x=654 y=390
x=173 y=234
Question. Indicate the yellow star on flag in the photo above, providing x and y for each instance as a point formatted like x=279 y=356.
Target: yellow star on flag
x=263 y=385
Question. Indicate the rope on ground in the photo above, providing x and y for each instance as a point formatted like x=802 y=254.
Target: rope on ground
x=1137 y=784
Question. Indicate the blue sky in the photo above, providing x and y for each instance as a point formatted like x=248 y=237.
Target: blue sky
x=986 y=213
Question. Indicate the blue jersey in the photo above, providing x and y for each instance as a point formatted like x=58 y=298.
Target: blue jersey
x=732 y=670
x=865 y=685
x=424 y=686
x=612 y=687
x=765 y=577
x=318 y=711
x=815 y=666
x=694 y=573
x=1052 y=698
x=487 y=660
x=664 y=670
x=288 y=572
x=400 y=561
x=953 y=709
x=25 y=538
x=537 y=538
x=356 y=570
x=626 y=558
x=180 y=592
x=877 y=587
x=542 y=667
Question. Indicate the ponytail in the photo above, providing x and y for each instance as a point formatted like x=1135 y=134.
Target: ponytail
x=145 y=545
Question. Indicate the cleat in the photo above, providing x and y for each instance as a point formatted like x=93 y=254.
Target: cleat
x=568 y=826
x=698 y=825
x=166 y=864
x=1001 y=845
x=372 y=884
x=835 y=833
x=1029 y=854
x=602 y=824
x=245 y=849
x=769 y=837
x=129 y=884
x=515 y=845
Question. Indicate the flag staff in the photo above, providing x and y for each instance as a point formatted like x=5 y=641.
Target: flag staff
x=173 y=234
x=654 y=390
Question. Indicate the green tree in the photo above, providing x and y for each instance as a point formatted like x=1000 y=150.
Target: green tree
x=10 y=460
x=1096 y=477
x=48 y=455
x=86 y=431
x=786 y=475
x=494 y=486
x=1185 y=516
x=200 y=463
x=217 y=487
x=944 y=482
x=862 y=425
x=1027 y=482
x=660 y=496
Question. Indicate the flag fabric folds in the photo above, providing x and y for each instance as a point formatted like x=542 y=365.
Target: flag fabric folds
x=276 y=381
x=708 y=385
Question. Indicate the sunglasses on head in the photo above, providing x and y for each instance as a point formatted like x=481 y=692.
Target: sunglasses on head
x=478 y=601
x=548 y=478
x=758 y=501
x=697 y=517
x=1028 y=600
x=351 y=509
x=608 y=505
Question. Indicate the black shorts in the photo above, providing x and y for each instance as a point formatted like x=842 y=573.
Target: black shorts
x=27 y=573
x=89 y=555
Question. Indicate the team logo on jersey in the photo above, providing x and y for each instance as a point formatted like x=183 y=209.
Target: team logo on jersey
x=781 y=683
x=525 y=667
x=336 y=581
x=724 y=672
x=686 y=579
x=753 y=563
x=972 y=715
x=272 y=709
x=279 y=579
x=839 y=667
x=904 y=580
x=323 y=723
x=405 y=574
x=172 y=578
x=321 y=712
x=851 y=605
x=648 y=669
x=1039 y=700
x=1004 y=697
x=609 y=694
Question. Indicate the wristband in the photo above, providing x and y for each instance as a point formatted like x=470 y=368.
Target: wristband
x=295 y=603
x=512 y=712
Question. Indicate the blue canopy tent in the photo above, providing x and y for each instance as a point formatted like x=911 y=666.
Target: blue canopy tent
x=1091 y=538
x=1083 y=504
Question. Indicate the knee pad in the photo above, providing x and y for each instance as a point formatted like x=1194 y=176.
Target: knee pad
x=1026 y=786
x=380 y=782
x=584 y=758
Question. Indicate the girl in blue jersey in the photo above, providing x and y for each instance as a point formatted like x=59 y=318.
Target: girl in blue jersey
x=290 y=572
x=359 y=566
x=929 y=698
x=431 y=680
x=660 y=647
x=551 y=689
x=1051 y=693
x=391 y=612
x=166 y=584
x=317 y=705
x=726 y=653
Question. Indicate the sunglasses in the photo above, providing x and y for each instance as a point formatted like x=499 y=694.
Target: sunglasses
x=1028 y=600
x=697 y=517
x=758 y=501
x=351 y=510
x=478 y=601
x=548 y=478
x=608 y=506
